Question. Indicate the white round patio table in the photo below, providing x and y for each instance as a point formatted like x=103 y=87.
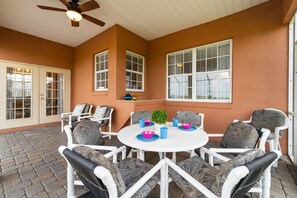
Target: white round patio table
x=177 y=140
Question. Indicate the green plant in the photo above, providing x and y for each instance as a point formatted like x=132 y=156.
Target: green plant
x=159 y=116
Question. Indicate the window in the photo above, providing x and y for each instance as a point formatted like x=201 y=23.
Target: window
x=200 y=74
x=134 y=72
x=101 y=71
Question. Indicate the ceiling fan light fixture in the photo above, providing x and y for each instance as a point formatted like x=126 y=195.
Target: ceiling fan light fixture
x=73 y=15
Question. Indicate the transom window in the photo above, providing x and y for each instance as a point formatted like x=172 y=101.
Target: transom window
x=134 y=72
x=201 y=74
x=101 y=71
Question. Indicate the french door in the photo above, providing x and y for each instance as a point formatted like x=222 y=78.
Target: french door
x=32 y=94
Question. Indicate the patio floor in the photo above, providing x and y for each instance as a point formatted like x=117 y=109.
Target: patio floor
x=31 y=166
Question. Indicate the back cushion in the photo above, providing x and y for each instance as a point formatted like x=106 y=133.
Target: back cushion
x=87 y=108
x=224 y=169
x=107 y=112
x=78 y=110
x=268 y=119
x=143 y=114
x=99 y=113
x=87 y=132
x=240 y=135
x=189 y=117
x=98 y=158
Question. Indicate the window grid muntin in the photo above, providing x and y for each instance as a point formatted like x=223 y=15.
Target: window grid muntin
x=18 y=93
x=134 y=72
x=54 y=93
x=101 y=71
x=227 y=43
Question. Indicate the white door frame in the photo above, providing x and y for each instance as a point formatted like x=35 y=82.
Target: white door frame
x=36 y=111
x=292 y=94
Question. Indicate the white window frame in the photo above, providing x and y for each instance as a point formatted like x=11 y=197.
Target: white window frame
x=100 y=71
x=194 y=59
x=142 y=73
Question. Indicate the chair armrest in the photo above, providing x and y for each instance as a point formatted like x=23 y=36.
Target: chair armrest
x=85 y=114
x=83 y=117
x=114 y=153
x=66 y=113
x=215 y=135
x=228 y=150
x=211 y=154
x=109 y=133
x=100 y=119
x=245 y=121
x=113 y=150
x=96 y=147
x=70 y=119
x=266 y=133
x=68 y=132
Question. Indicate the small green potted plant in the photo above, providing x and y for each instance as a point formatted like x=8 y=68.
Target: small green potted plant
x=159 y=117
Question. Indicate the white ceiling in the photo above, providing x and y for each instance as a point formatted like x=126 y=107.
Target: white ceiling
x=150 y=19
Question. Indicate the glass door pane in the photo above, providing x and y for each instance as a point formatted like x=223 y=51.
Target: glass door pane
x=54 y=93
x=18 y=93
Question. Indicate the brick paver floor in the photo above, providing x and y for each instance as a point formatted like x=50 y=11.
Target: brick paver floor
x=31 y=166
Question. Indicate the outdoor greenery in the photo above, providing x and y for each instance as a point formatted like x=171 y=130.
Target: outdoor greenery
x=159 y=116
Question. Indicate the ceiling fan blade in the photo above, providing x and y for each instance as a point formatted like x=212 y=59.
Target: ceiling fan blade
x=65 y=3
x=51 y=8
x=90 y=5
x=75 y=23
x=93 y=20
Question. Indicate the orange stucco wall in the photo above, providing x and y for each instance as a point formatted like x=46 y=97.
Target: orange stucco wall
x=259 y=73
x=20 y=47
x=116 y=40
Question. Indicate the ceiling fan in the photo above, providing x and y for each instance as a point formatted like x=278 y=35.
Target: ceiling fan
x=74 y=11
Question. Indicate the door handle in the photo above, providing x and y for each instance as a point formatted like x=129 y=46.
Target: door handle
x=41 y=98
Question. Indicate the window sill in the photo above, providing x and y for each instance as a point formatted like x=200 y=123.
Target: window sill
x=210 y=105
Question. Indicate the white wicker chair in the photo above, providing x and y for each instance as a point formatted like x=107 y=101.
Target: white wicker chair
x=276 y=130
x=80 y=110
x=233 y=179
x=98 y=176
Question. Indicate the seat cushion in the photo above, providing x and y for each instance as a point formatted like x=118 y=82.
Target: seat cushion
x=98 y=158
x=189 y=117
x=224 y=169
x=73 y=119
x=114 y=141
x=78 y=110
x=215 y=144
x=143 y=114
x=198 y=169
x=87 y=132
x=240 y=135
x=134 y=169
x=268 y=119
